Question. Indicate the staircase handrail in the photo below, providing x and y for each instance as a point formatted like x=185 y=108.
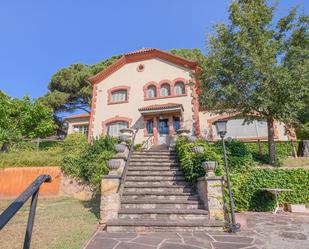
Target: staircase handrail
x=125 y=170
x=32 y=190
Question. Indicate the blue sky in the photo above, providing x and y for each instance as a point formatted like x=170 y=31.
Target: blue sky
x=39 y=37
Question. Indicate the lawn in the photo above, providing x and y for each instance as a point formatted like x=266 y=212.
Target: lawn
x=60 y=223
x=31 y=158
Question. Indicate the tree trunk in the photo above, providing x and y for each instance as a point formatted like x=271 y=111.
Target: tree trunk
x=5 y=147
x=304 y=148
x=271 y=141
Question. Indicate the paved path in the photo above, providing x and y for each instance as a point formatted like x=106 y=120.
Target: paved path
x=263 y=231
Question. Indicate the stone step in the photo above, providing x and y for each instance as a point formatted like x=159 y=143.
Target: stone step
x=143 y=225
x=160 y=183
x=156 y=157
x=152 y=168
x=156 y=163
x=143 y=197
x=158 y=189
x=157 y=194
x=163 y=214
x=157 y=184
x=154 y=153
x=155 y=178
x=154 y=173
x=161 y=204
x=153 y=161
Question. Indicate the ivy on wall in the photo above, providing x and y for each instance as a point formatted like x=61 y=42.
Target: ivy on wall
x=247 y=179
x=247 y=187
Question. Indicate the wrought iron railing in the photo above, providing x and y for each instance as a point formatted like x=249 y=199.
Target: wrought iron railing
x=124 y=173
x=32 y=190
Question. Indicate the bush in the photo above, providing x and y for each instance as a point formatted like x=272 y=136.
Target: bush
x=191 y=163
x=87 y=162
x=283 y=150
x=247 y=193
x=238 y=153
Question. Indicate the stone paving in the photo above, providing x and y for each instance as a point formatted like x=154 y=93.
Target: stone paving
x=260 y=231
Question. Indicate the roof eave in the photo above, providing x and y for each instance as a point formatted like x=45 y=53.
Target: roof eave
x=144 y=55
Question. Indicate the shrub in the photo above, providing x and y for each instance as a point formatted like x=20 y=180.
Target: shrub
x=283 y=150
x=87 y=162
x=247 y=193
x=191 y=163
x=239 y=155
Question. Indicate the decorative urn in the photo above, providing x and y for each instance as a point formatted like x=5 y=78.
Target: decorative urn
x=210 y=167
x=198 y=149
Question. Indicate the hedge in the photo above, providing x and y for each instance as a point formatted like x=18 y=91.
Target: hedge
x=283 y=150
x=247 y=193
x=247 y=179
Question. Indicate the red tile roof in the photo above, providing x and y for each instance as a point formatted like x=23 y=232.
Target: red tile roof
x=160 y=107
x=139 y=55
x=82 y=115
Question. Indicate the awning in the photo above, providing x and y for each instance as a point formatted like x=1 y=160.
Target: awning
x=163 y=108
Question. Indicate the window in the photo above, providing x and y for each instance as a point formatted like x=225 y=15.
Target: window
x=152 y=92
x=149 y=126
x=119 y=96
x=81 y=129
x=237 y=128
x=176 y=123
x=113 y=129
x=179 y=88
x=165 y=90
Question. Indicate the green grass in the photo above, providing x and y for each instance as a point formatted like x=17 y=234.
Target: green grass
x=60 y=223
x=50 y=157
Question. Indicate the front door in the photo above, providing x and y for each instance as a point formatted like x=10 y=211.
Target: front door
x=163 y=129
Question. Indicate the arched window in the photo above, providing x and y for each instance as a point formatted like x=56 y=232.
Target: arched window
x=151 y=92
x=165 y=90
x=113 y=128
x=179 y=88
x=119 y=96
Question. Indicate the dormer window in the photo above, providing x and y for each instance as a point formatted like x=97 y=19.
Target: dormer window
x=165 y=90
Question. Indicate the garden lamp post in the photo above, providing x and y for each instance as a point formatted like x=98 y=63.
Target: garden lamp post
x=221 y=130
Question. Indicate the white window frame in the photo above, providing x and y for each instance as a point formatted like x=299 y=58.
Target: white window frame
x=115 y=130
x=119 y=96
x=179 y=88
x=165 y=90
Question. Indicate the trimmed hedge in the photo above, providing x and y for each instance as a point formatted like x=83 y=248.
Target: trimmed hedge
x=247 y=193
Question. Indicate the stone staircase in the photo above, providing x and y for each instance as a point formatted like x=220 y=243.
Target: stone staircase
x=156 y=197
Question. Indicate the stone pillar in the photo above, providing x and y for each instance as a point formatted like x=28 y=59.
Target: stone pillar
x=210 y=190
x=110 y=184
x=110 y=198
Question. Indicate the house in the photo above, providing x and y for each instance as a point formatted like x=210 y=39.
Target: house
x=156 y=92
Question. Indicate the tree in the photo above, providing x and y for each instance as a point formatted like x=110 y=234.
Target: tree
x=69 y=89
x=190 y=54
x=23 y=118
x=254 y=66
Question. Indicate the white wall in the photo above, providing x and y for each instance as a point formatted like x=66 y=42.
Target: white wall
x=155 y=70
